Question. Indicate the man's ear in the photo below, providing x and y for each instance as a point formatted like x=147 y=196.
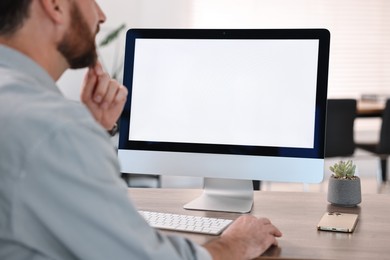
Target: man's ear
x=55 y=9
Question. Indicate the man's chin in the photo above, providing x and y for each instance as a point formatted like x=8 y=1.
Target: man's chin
x=83 y=62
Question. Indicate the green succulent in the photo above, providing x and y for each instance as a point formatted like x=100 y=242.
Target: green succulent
x=343 y=169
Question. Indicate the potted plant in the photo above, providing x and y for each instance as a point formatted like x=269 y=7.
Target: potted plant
x=344 y=187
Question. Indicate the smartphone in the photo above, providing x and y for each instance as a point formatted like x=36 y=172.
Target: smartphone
x=338 y=222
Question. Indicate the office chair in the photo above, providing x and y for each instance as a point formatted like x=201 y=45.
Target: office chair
x=339 y=135
x=382 y=149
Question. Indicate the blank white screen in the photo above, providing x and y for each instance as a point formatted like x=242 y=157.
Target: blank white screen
x=237 y=92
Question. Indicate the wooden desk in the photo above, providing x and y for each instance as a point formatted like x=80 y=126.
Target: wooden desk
x=296 y=214
x=369 y=108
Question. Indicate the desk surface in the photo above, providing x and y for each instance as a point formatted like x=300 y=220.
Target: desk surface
x=296 y=214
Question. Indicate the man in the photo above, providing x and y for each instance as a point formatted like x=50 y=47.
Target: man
x=60 y=192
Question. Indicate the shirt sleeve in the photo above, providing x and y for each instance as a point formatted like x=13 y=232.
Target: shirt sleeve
x=72 y=203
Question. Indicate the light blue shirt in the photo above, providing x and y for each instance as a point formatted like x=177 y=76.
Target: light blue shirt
x=61 y=196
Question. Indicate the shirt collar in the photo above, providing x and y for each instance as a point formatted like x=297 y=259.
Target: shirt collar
x=15 y=60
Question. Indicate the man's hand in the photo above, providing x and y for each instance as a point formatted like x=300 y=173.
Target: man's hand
x=248 y=237
x=103 y=96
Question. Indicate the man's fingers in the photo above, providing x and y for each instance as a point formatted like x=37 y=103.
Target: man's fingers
x=264 y=221
x=101 y=88
x=90 y=81
x=89 y=92
x=274 y=230
x=115 y=94
x=121 y=94
x=98 y=68
x=111 y=92
x=95 y=84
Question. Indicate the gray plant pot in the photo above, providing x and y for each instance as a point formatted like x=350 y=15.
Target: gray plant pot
x=344 y=192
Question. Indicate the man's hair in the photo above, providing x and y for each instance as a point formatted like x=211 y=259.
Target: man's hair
x=12 y=15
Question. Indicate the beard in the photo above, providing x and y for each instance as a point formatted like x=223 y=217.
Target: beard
x=78 y=44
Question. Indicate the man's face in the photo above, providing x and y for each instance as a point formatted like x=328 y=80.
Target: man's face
x=78 y=44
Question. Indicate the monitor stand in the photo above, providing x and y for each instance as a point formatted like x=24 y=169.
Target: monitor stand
x=228 y=195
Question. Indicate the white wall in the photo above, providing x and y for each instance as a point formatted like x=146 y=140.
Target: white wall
x=147 y=13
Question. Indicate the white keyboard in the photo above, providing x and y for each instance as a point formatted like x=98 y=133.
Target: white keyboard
x=186 y=223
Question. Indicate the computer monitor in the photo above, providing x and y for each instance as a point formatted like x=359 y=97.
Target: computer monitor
x=231 y=106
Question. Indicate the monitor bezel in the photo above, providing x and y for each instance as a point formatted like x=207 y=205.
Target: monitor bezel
x=317 y=151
